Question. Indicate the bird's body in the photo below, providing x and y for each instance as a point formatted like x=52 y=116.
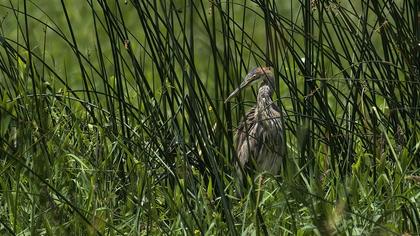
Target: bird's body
x=259 y=137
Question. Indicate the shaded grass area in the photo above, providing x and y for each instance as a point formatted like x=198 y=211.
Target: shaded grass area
x=113 y=121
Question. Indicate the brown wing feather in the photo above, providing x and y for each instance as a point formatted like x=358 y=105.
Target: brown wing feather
x=259 y=137
x=246 y=140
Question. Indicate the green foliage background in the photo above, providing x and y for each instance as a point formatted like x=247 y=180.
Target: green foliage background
x=113 y=119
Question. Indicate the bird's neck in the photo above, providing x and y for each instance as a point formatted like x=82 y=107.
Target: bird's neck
x=264 y=97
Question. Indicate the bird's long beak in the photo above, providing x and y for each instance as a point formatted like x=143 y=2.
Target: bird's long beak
x=254 y=75
x=251 y=77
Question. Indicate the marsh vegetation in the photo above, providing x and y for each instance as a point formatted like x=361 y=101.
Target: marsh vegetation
x=113 y=119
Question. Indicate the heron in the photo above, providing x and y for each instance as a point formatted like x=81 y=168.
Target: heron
x=259 y=136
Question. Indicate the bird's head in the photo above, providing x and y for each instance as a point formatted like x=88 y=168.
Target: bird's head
x=264 y=73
